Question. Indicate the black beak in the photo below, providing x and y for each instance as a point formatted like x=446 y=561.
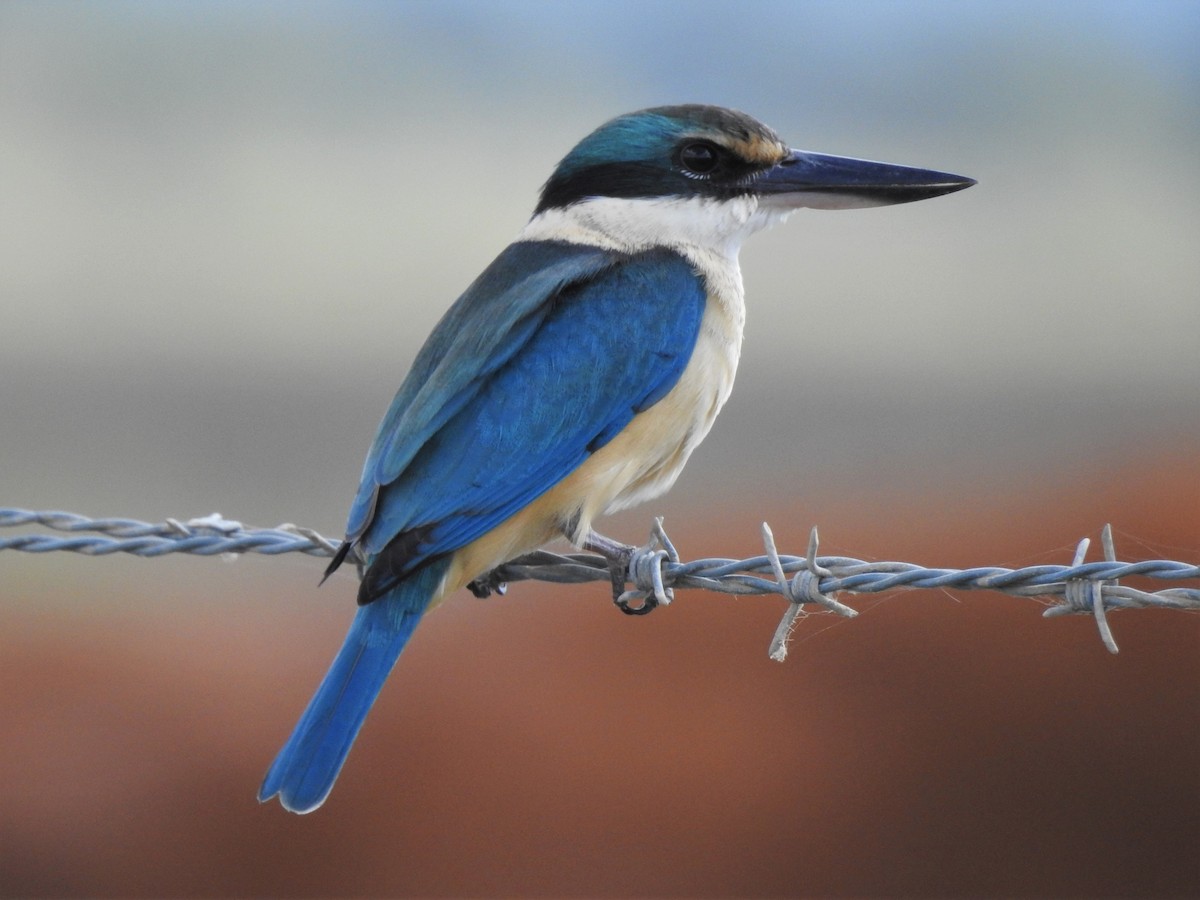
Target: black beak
x=819 y=181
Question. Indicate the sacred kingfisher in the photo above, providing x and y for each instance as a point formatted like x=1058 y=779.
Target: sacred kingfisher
x=574 y=377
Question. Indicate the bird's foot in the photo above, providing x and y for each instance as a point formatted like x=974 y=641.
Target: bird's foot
x=619 y=557
x=487 y=584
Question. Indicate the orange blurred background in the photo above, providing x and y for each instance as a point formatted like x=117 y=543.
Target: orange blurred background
x=544 y=744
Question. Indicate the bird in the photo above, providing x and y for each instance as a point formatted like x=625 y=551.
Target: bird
x=574 y=377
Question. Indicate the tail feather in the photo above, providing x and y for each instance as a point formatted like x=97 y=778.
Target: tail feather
x=305 y=769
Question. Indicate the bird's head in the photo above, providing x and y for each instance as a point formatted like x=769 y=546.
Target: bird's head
x=711 y=156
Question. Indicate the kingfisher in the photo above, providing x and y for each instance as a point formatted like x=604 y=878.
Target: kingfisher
x=574 y=377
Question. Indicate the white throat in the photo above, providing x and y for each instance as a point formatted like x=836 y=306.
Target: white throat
x=633 y=224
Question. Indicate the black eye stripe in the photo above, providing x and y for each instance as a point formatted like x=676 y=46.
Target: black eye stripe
x=693 y=166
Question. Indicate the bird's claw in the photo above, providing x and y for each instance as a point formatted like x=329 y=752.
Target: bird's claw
x=487 y=584
x=619 y=556
x=649 y=603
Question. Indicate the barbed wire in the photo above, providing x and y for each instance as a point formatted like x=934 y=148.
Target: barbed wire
x=656 y=569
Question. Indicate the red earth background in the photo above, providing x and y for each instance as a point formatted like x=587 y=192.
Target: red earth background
x=543 y=744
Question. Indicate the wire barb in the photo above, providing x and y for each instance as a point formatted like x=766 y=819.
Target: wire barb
x=656 y=569
x=1087 y=593
x=804 y=588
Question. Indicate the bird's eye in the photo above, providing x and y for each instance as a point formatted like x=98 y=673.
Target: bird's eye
x=699 y=158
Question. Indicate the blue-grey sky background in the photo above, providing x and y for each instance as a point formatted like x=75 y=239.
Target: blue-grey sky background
x=226 y=228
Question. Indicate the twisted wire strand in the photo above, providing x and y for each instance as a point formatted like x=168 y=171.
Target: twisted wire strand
x=207 y=536
x=656 y=569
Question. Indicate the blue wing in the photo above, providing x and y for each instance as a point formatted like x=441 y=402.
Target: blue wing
x=541 y=362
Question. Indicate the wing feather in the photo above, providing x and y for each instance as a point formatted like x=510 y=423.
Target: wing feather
x=489 y=323
x=591 y=353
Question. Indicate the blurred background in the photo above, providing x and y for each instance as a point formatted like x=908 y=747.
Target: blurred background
x=225 y=229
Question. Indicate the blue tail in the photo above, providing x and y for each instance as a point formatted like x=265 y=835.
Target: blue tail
x=305 y=769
